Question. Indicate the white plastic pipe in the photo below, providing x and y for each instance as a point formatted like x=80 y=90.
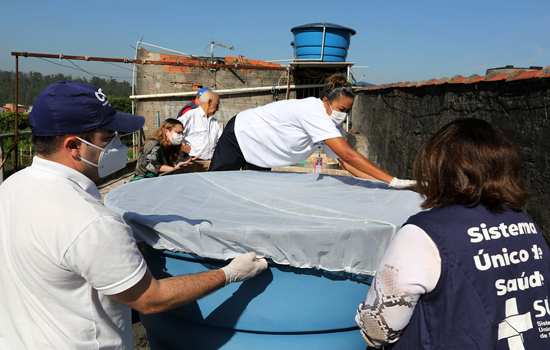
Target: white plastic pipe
x=222 y=92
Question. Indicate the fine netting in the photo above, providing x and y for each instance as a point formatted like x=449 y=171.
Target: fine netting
x=327 y=222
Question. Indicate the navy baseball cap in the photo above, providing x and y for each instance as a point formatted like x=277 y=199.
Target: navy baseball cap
x=201 y=91
x=68 y=107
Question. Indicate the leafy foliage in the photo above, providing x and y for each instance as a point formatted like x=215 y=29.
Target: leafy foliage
x=7 y=120
x=32 y=83
x=122 y=104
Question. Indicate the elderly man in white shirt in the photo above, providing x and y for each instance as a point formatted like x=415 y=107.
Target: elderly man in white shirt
x=201 y=130
x=71 y=269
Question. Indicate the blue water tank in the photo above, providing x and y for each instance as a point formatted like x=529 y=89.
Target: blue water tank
x=325 y=42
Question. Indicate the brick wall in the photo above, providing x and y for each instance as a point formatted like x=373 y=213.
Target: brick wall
x=152 y=79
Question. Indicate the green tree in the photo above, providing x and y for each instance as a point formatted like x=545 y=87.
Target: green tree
x=122 y=104
x=32 y=83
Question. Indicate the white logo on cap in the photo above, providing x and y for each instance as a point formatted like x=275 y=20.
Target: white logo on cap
x=101 y=97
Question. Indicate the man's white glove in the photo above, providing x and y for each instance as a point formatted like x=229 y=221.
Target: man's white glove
x=401 y=183
x=243 y=267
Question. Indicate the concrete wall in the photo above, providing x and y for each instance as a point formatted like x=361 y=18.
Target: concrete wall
x=396 y=122
x=152 y=79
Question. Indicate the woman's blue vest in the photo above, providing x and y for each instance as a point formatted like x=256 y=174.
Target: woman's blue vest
x=494 y=284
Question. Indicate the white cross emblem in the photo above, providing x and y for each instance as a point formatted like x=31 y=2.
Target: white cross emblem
x=513 y=325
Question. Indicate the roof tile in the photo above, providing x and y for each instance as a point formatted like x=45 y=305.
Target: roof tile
x=511 y=75
x=474 y=79
x=457 y=79
x=498 y=77
x=528 y=74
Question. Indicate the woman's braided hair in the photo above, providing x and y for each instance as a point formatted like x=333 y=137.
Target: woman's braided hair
x=337 y=85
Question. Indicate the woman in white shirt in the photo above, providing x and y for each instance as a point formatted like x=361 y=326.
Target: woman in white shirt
x=287 y=132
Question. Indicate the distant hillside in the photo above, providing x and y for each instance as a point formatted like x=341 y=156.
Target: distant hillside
x=31 y=83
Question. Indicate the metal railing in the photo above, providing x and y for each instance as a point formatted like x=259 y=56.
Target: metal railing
x=25 y=151
x=8 y=153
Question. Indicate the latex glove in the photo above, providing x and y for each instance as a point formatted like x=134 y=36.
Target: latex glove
x=401 y=183
x=243 y=267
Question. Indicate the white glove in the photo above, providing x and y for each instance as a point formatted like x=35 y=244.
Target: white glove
x=401 y=183
x=243 y=267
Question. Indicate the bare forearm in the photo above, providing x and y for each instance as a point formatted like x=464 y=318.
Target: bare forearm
x=176 y=291
x=150 y=295
x=354 y=171
x=165 y=168
x=358 y=162
x=365 y=168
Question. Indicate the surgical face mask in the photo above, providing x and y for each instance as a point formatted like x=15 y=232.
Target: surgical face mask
x=176 y=139
x=338 y=117
x=113 y=157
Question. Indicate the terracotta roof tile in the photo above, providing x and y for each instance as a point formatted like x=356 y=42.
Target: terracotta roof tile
x=430 y=82
x=457 y=79
x=528 y=74
x=512 y=74
x=498 y=77
x=474 y=79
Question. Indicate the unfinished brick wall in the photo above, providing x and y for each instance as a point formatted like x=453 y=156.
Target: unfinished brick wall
x=397 y=121
x=153 y=79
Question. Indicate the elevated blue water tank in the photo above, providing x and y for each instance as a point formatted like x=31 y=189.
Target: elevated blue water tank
x=321 y=42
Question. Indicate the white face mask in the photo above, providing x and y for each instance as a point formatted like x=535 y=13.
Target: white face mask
x=176 y=139
x=113 y=157
x=338 y=117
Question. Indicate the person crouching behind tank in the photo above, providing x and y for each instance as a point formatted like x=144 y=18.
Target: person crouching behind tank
x=162 y=153
x=472 y=271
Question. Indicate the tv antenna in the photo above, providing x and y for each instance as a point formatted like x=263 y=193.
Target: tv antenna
x=214 y=44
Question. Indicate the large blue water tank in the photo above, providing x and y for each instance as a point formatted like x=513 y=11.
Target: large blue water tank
x=321 y=42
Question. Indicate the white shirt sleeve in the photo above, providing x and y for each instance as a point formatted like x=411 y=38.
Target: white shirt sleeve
x=317 y=124
x=184 y=119
x=220 y=131
x=106 y=255
x=410 y=268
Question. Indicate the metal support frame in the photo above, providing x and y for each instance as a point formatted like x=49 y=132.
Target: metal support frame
x=16 y=122
x=287 y=95
x=227 y=92
x=201 y=63
x=323 y=43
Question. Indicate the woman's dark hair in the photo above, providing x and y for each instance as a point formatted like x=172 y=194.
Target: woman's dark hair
x=171 y=151
x=337 y=85
x=469 y=162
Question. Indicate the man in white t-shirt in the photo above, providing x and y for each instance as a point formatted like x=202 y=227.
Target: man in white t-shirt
x=70 y=266
x=200 y=129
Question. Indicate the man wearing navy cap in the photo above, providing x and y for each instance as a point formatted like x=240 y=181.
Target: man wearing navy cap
x=70 y=266
x=194 y=103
